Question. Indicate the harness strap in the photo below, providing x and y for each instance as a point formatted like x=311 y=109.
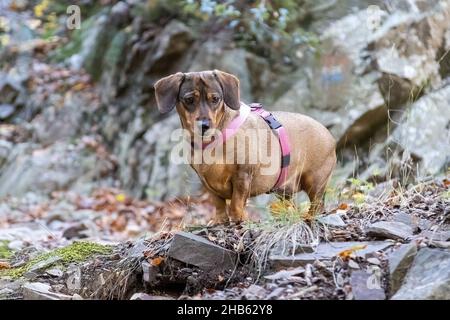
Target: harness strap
x=283 y=139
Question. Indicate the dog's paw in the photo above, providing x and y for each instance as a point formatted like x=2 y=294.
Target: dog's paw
x=239 y=217
x=218 y=221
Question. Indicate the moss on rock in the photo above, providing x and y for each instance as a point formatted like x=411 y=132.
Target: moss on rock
x=5 y=252
x=76 y=252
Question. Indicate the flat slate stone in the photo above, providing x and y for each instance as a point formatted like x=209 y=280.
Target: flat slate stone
x=287 y=248
x=284 y=274
x=34 y=271
x=332 y=220
x=436 y=235
x=407 y=219
x=326 y=251
x=390 y=230
x=197 y=251
x=6 y=110
x=145 y=296
x=399 y=262
x=41 y=291
x=428 y=278
x=366 y=288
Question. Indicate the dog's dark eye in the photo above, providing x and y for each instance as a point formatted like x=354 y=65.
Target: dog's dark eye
x=215 y=100
x=189 y=100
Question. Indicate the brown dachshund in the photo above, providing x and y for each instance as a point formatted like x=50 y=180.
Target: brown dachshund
x=208 y=102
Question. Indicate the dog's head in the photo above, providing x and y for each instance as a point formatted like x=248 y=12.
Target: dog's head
x=201 y=98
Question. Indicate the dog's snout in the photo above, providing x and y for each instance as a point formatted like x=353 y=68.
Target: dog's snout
x=204 y=124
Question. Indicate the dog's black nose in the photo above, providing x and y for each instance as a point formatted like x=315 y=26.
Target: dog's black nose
x=204 y=124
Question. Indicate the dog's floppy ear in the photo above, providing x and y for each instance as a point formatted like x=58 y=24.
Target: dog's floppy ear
x=167 y=90
x=230 y=88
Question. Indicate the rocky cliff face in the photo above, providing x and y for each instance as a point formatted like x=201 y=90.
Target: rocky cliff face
x=377 y=79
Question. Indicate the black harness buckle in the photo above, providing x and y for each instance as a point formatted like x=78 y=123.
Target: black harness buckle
x=285 y=160
x=272 y=122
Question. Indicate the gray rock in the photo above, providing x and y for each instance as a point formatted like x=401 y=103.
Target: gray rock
x=287 y=248
x=374 y=261
x=5 y=292
x=16 y=245
x=254 y=292
x=9 y=89
x=390 y=230
x=55 y=272
x=441 y=244
x=145 y=296
x=149 y=272
x=352 y=264
x=41 y=291
x=436 y=235
x=367 y=69
x=326 y=251
x=428 y=278
x=399 y=262
x=276 y=293
x=44 y=170
x=34 y=271
x=61 y=122
x=332 y=220
x=6 y=111
x=284 y=274
x=73 y=281
x=77 y=297
x=365 y=286
x=154 y=170
x=198 y=251
x=120 y=13
x=407 y=219
x=75 y=231
x=426 y=138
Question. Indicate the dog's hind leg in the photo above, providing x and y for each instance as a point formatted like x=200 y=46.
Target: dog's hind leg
x=315 y=186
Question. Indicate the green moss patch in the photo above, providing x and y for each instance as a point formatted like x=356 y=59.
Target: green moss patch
x=5 y=252
x=76 y=252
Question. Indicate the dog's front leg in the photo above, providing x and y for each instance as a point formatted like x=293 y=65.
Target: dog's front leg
x=221 y=216
x=241 y=191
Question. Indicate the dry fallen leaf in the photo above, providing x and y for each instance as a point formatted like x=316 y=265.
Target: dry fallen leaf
x=80 y=86
x=4 y=265
x=156 y=261
x=120 y=223
x=343 y=206
x=446 y=182
x=347 y=253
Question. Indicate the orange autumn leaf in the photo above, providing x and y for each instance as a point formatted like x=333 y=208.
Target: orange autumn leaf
x=446 y=182
x=345 y=255
x=79 y=86
x=4 y=265
x=156 y=261
x=343 y=206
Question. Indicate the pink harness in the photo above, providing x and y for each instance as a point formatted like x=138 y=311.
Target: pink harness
x=273 y=123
